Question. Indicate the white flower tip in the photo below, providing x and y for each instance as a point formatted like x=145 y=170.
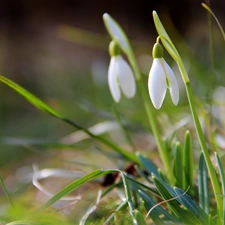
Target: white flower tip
x=116 y=98
x=105 y=16
x=157 y=100
x=157 y=105
x=175 y=100
x=174 y=92
x=154 y=13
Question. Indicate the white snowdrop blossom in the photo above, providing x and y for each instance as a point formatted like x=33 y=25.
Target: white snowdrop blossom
x=161 y=77
x=120 y=77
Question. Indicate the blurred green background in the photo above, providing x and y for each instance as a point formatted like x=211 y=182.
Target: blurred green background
x=58 y=50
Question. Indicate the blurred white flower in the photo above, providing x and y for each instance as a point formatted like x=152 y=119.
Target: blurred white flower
x=120 y=77
x=161 y=77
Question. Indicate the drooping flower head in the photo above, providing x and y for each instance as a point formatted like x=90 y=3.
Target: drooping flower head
x=120 y=75
x=161 y=77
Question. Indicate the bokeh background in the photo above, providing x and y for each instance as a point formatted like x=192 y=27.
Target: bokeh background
x=58 y=50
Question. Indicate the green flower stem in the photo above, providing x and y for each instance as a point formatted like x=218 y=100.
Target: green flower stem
x=212 y=173
x=152 y=120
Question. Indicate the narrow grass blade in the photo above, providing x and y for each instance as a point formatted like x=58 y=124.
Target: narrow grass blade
x=149 y=203
x=148 y=165
x=30 y=97
x=139 y=219
x=6 y=192
x=200 y=182
x=203 y=188
x=169 y=195
x=218 y=22
x=222 y=177
x=74 y=185
x=188 y=179
x=44 y=107
x=192 y=206
x=128 y=193
x=178 y=165
x=162 y=176
x=157 y=211
x=143 y=174
x=136 y=185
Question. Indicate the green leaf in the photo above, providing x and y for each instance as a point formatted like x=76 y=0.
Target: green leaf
x=136 y=185
x=173 y=202
x=30 y=97
x=148 y=165
x=139 y=218
x=157 y=211
x=192 y=206
x=222 y=178
x=178 y=165
x=188 y=180
x=203 y=187
x=128 y=193
x=74 y=185
x=149 y=203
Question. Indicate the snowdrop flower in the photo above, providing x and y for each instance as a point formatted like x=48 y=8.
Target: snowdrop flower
x=120 y=75
x=161 y=77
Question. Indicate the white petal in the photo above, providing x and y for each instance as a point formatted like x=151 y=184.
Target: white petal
x=174 y=89
x=113 y=80
x=157 y=83
x=126 y=77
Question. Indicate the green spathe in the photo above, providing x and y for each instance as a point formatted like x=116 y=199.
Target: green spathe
x=157 y=51
x=114 y=49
